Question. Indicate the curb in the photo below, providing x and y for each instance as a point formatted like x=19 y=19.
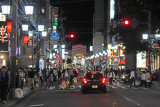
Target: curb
x=21 y=99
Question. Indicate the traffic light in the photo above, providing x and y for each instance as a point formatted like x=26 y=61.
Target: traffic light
x=55 y=20
x=126 y=22
x=30 y=56
x=71 y=36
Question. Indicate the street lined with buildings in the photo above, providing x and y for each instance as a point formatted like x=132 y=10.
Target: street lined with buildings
x=54 y=52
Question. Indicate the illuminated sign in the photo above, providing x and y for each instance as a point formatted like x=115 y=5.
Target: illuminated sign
x=2 y=17
x=112 y=9
x=141 y=59
x=3 y=34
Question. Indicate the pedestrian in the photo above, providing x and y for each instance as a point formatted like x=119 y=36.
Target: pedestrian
x=110 y=75
x=31 y=75
x=75 y=74
x=41 y=76
x=132 y=78
x=22 y=77
x=138 y=77
x=66 y=74
x=148 y=79
x=143 y=79
x=4 y=84
x=47 y=74
x=51 y=77
x=55 y=74
x=70 y=78
x=59 y=76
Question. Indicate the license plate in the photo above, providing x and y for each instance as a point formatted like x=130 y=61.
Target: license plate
x=94 y=86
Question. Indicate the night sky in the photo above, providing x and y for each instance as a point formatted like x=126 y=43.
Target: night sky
x=79 y=14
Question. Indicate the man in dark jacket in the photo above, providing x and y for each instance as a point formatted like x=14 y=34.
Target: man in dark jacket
x=4 y=83
x=31 y=75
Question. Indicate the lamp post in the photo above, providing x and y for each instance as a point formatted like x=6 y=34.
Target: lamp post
x=150 y=42
x=13 y=43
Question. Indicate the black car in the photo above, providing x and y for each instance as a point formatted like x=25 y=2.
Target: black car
x=93 y=81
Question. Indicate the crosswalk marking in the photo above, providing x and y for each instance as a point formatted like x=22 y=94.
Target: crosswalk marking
x=126 y=87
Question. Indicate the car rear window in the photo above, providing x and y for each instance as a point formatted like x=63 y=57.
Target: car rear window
x=94 y=76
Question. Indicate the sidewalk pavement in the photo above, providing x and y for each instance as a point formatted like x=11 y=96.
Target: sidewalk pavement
x=12 y=102
x=153 y=85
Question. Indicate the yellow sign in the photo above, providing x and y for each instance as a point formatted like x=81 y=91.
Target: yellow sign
x=2 y=17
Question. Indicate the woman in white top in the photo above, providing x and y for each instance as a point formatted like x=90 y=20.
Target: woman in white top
x=143 y=79
x=22 y=77
x=148 y=79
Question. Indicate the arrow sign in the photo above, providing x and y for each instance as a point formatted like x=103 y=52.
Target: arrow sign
x=55 y=35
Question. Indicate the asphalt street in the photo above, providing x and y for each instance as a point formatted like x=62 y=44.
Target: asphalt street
x=117 y=96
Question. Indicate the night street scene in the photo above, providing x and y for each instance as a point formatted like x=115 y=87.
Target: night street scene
x=79 y=53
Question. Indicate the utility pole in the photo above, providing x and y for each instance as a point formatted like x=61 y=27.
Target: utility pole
x=13 y=42
x=150 y=41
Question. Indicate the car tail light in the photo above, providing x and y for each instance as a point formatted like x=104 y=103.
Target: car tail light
x=104 y=80
x=93 y=73
x=84 y=80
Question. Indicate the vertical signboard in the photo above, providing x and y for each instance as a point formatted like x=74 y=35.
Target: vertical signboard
x=141 y=59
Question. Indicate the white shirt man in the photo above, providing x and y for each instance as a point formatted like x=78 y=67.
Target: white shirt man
x=132 y=74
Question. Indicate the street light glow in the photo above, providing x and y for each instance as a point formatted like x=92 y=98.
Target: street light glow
x=63 y=46
x=40 y=27
x=30 y=33
x=29 y=10
x=44 y=33
x=25 y=27
x=145 y=36
x=2 y=57
x=6 y=9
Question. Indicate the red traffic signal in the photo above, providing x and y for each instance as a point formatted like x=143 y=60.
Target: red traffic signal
x=30 y=56
x=126 y=22
x=71 y=36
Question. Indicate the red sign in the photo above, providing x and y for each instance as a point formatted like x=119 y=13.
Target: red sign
x=26 y=38
x=9 y=27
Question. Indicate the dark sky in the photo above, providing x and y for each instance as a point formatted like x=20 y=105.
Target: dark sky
x=79 y=21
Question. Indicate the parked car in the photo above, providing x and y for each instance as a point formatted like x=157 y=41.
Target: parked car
x=93 y=81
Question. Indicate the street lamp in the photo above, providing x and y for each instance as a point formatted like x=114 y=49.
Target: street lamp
x=145 y=36
x=44 y=33
x=25 y=27
x=30 y=33
x=54 y=46
x=29 y=10
x=40 y=27
x=6 y=9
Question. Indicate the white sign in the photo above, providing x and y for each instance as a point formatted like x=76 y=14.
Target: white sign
x=141 y=59
x=2 y=17
x=112 y=9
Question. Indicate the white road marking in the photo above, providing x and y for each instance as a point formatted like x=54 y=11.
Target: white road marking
x=37 y=105
x=132 y=101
